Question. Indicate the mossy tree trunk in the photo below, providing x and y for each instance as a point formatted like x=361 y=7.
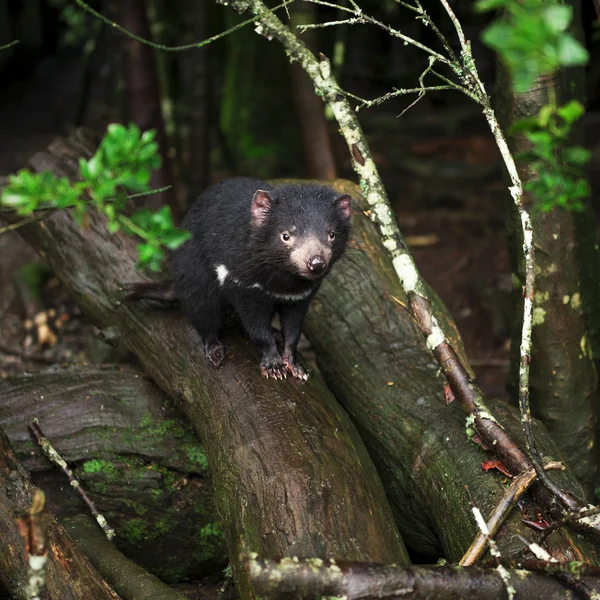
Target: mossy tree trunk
x=256 y=105
x=563 y=382
x=375 y=359
x=136 y=456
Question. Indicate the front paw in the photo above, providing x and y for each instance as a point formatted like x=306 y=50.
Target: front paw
x=294 y=368
x=272 y=366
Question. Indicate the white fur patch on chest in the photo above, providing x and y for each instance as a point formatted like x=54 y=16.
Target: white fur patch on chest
x=290 y=297
x=222 y=271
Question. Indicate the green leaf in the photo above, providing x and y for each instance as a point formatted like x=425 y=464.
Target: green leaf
x=117 y=132
x=570 y=52
x=557 y=16
x=525 y=124
x=145 y=252
x=576 y=155
x=174 y=238
x=485 y=5
x=94 y=167
x=497 y=35
x=571 y=111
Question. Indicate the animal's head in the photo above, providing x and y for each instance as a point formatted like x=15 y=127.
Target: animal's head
x=301 y=228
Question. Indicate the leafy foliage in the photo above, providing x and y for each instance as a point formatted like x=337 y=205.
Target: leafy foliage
x=558 y=168
x=532 y=38
x=122 y=164
x=80 y=27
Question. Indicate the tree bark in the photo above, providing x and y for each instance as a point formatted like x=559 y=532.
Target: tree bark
x=138 y=459
x=69 y=574
x=291 y=474
x=375 y=360
x=563 y=382
x=310 y=109
x=194 y=103
x=142 y=96
x=128 y=578
x=313 y=580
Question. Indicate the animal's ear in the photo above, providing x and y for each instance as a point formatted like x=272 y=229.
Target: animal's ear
x=344 y=206
x=261 y=206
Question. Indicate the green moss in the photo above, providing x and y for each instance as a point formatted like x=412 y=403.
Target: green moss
x=575 y=567
x=99 y=466
x=146 y=421
x=197 y=455
x=139 y=509
x=162 y=526
x=169 y=427
x=210 y=530
x=99 y=487
x=134 y=530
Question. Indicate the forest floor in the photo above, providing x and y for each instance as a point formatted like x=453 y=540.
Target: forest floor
x=444 y=177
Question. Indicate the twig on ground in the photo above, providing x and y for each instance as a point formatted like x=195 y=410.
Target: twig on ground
x=58 y=460
x=494 y=551
x=578 y=587
x=518 y=487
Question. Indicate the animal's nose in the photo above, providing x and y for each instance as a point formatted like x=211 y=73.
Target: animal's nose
x=316 y=263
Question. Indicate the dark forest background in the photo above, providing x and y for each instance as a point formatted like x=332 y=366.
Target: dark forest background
x=234 y=107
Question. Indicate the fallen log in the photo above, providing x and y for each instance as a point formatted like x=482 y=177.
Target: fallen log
x=128 y=578
x=375 y=359
x=312 y=579
x=291 y=474
x=132 y=451
x=69 y=574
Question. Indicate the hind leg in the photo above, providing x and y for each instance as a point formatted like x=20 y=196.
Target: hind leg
x=207 y=323
x=201 y=302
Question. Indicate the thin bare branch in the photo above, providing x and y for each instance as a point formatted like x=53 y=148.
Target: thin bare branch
x=9 y=45
x=518 y=487
x=362 y=18
x=397 y=92
x=58 y=460
x=494 y=550
x=23 y=222
x=87 y=8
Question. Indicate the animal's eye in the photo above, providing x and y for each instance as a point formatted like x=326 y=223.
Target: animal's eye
x=331 y=236
x=285 y=236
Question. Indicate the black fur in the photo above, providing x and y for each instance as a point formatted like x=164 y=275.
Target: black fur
x=239 y=256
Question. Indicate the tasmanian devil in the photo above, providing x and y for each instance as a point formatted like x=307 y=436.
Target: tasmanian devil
x=262 y=250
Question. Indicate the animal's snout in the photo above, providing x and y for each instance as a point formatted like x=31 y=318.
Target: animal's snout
x=316 y=263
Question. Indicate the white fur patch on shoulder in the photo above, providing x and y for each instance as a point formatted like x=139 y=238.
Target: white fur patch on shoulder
x=222 y=271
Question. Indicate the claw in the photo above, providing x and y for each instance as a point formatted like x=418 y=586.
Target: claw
x=273 y=369
x=294 y=368
x=215 y=354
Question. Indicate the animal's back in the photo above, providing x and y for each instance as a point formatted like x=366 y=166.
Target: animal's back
x=219 y=221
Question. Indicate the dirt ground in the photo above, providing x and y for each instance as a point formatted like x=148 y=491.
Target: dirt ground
x=441 y=169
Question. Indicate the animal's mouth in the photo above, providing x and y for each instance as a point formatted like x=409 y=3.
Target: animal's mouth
x=311 y=275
